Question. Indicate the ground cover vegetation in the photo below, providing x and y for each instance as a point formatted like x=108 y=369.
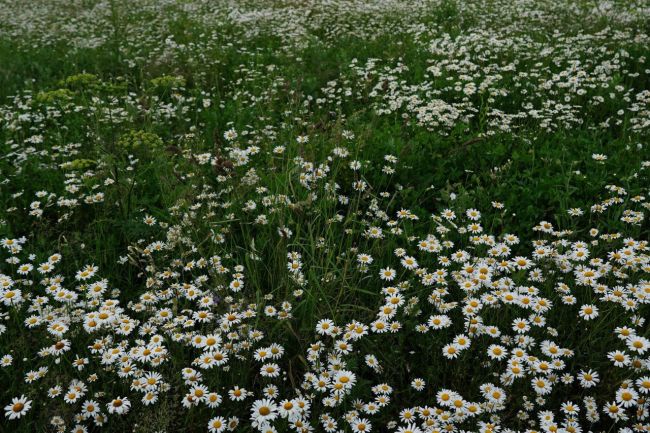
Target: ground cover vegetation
x=328 y=216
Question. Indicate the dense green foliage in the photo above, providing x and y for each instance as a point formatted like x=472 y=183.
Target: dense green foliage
x=416 y=216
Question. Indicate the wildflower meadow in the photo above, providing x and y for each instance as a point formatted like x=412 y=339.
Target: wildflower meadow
x=340 y=216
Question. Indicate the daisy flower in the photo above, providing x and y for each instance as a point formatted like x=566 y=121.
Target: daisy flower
x=18 y=407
